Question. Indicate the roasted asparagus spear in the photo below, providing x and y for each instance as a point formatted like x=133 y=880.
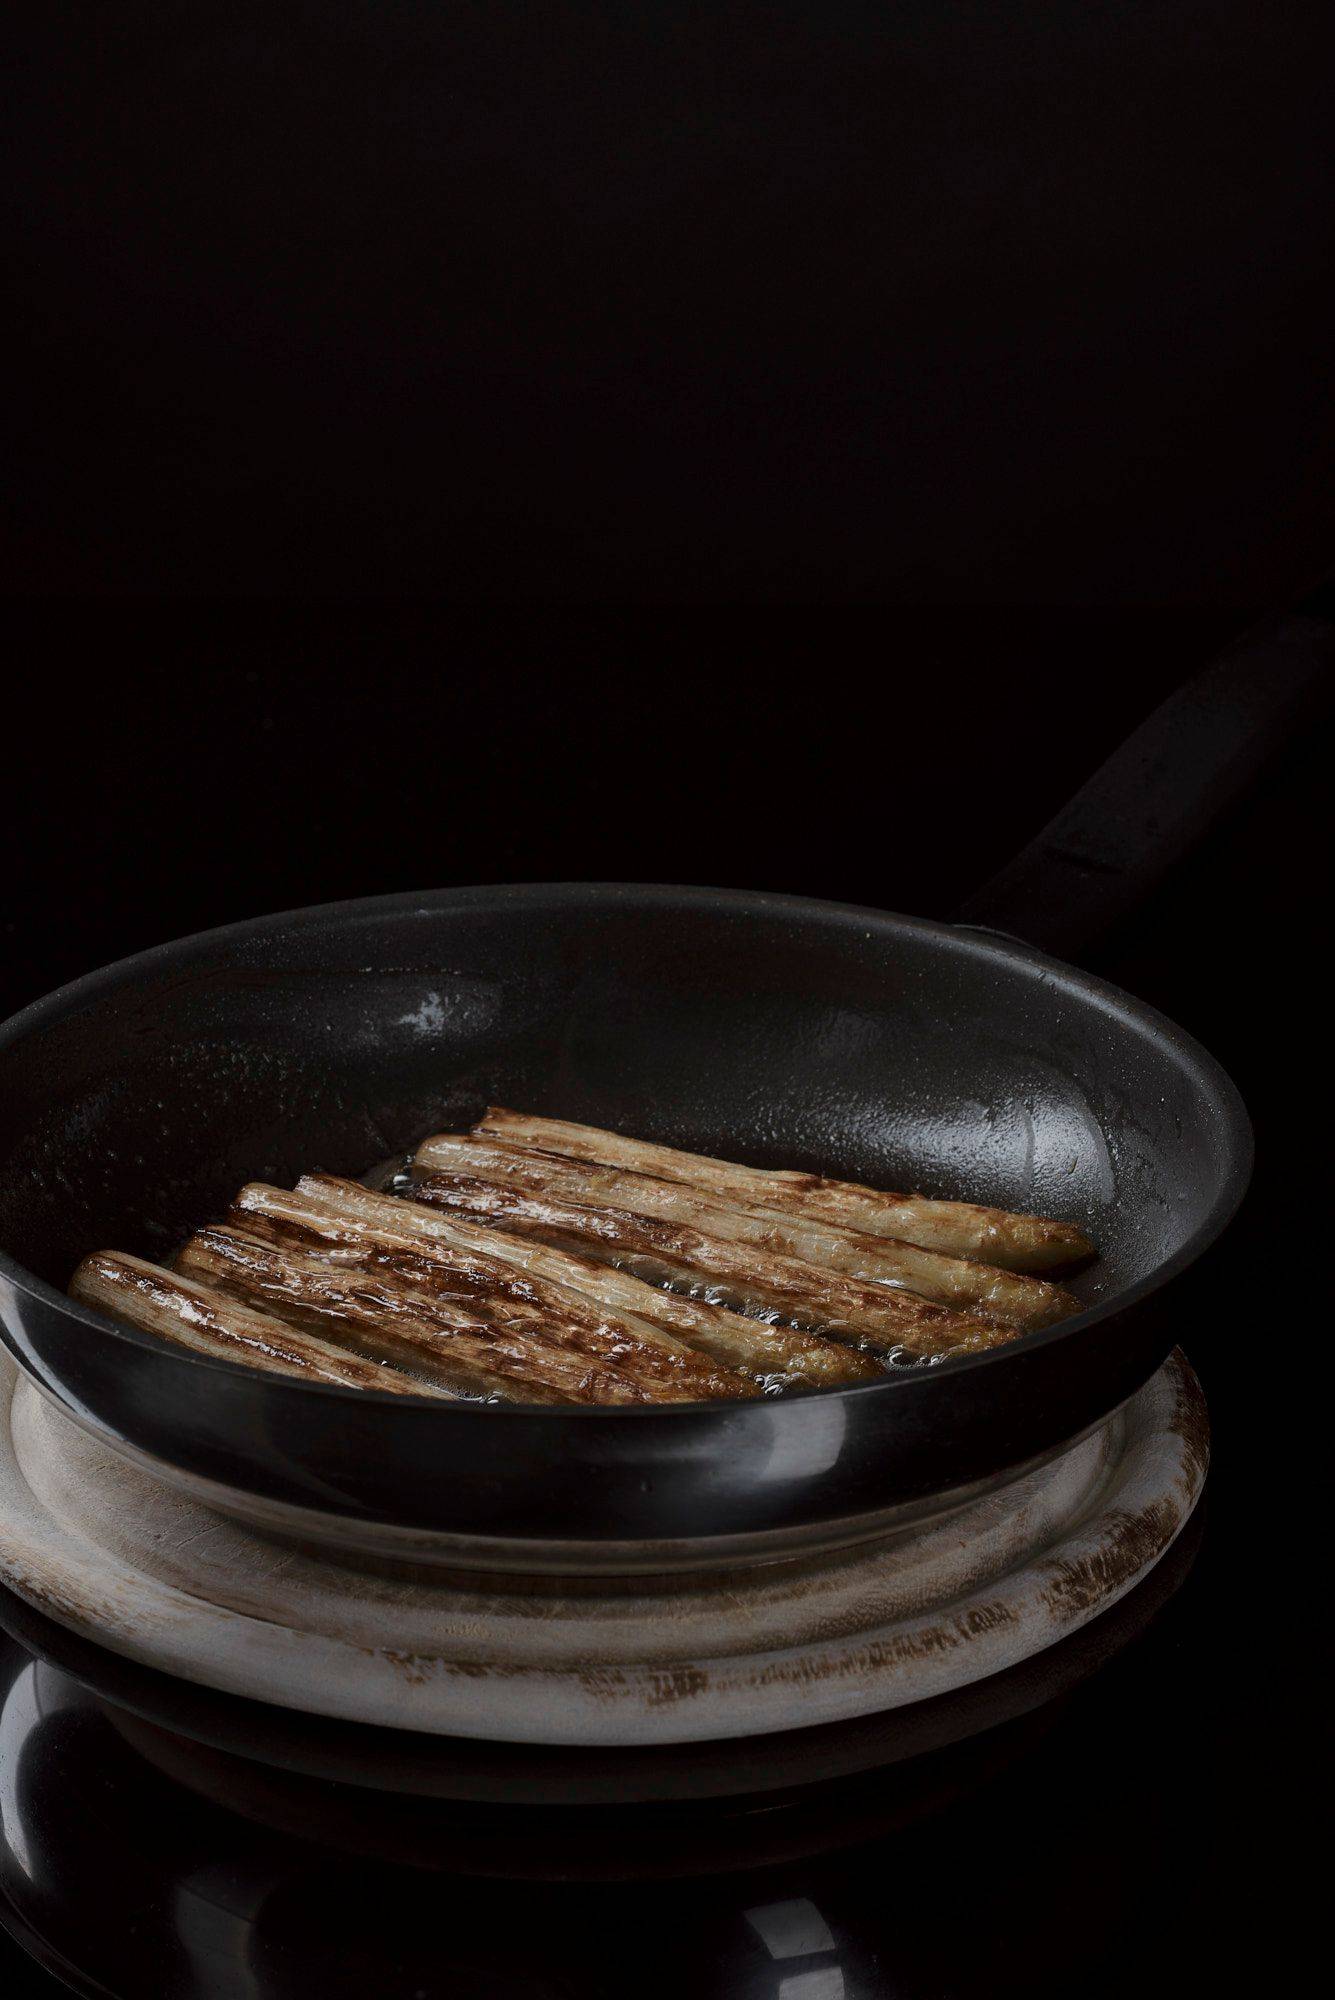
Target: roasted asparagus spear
x=388 y=1307
x=960 y=1228
x=203 y=1320
x=954 y=1281
x=452 y=1283
x=737 y=1274
x=341 y=1214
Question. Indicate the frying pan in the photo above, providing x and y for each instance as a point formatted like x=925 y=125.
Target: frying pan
x=764 y=1028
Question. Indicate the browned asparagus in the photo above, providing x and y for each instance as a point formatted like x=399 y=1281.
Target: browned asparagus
x=400 y=1309
x=954 y=1281
x=960 y=1228
x=337 y=1213
x=206 y=1322
x=477 y=1288
x=531 y=1261
x=753 y=1280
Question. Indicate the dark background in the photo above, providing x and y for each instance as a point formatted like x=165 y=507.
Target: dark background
x=185 y=766
x=814 y=301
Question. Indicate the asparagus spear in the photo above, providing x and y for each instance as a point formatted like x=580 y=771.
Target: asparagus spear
x=961 y=1228
x=753 y=1280
x=955 y=1281
x=454 y=1280
x=338 y=1213
x=188 y=1315
x=388 y=1306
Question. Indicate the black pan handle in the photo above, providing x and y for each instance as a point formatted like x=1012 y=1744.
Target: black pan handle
x=1156 y=797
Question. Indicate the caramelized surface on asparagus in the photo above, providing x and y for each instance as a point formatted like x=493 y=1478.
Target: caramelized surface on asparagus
x=483 y=1287
x=953 y=1281
x=408 y=1310
x=202 y=1320
x=338 y=1213
x=540 y=1262
x=961 y=1228
x=750 y=1280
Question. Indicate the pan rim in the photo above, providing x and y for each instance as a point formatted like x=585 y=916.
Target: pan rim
x=1234 y=1121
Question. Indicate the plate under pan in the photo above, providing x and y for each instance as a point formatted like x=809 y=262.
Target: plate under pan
x=112 y=1553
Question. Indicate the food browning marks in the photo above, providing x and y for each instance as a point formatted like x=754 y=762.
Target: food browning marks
x=532 y=1261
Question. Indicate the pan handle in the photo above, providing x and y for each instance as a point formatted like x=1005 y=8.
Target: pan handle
x=1162 y=790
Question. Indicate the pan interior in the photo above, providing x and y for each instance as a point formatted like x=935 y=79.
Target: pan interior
x=765 y=1030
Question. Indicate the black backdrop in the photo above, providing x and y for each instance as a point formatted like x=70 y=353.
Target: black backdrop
x=814 y=300
x=172 y=768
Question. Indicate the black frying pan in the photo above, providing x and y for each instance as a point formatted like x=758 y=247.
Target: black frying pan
x=763 y=1028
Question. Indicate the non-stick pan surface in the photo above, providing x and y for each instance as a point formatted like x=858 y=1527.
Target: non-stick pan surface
x=762 y=1028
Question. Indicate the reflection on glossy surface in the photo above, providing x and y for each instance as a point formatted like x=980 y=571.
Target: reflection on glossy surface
x=797 y=1930
x=215 y=1911
x=18 y=1722
x=142 y=1863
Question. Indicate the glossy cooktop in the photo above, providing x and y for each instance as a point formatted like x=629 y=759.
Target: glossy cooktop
x=1038 y=1834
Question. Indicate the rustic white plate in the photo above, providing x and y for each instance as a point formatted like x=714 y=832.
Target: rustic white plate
x=105 y=1549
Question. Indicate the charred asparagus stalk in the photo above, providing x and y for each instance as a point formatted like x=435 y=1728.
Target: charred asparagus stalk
x=960 y=1228
x=205 y=1322
x=553 y=1331
x=341 y=1215
x=454 y=1351
x=752 y=1280
x=404 y=1311
x=955 y=1281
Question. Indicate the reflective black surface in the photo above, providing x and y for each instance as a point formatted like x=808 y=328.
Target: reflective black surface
x=1021 y=1853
